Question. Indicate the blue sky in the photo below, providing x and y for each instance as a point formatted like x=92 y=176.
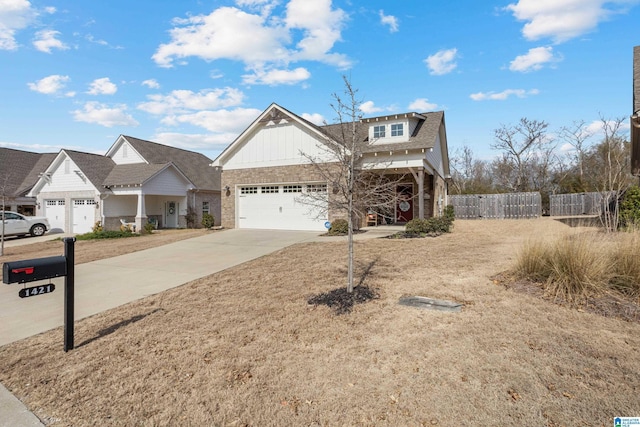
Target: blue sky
x=194 y=74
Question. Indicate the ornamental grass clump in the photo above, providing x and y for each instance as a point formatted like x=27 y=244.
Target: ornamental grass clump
x=576 y=267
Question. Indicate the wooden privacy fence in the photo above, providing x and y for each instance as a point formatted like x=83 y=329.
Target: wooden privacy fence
x=497 y=206
x=576 y=204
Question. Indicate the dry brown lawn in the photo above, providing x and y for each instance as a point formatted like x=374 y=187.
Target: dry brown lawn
x=243 y=347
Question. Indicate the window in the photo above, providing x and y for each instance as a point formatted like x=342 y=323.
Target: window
x=125 y=151
x=91 y=202
x=78 y=202
x=270 y=189
x=67 y=166
x=292 y=188
x=60 y=202
x=317 y=188
x=52 y=202
x=379 y=131
x=249 y=190
x=205 y=207
x=397 y=129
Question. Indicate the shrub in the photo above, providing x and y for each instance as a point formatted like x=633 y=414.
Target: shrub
x=208 y=220
x=339 y=227
x=449 y=213
x=149 y=227
x=630 y=208
x=191 y=217
x=106 y=235
x=435 y=225
x=97 y=227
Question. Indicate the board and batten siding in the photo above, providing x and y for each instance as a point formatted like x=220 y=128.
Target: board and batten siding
x=276 y=145
x=125 y=155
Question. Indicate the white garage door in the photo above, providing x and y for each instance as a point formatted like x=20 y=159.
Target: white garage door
x=83 y=215
x=55 y=213
x=279 y=207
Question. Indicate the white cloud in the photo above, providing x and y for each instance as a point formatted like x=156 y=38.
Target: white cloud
x=102 y=114
x=151 y=84
x=185 y=101
x=442 y=62
x=50 y=85
x=502 y=96
x=102 y=86
x=562 y=20
x=15 y=15
x=389 y=20
x=533 y=60
x=277 y=77
x=231 y=121
x=216 y=141
x=46 y=40
x=261 y=41
x=422 y=105
x=368 y=107
x=315 y=118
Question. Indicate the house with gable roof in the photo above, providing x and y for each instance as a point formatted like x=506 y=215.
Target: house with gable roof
x=267 y=168
x=137 y=182
x=635 y=115
x=18 y=174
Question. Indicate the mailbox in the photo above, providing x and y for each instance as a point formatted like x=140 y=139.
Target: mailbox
x=30 y=270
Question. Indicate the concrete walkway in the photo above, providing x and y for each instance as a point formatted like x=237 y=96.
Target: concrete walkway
x=109 y=283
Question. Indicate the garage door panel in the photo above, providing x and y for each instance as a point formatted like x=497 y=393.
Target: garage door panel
x=276 y=210
x=54 y=210
x=83 y=215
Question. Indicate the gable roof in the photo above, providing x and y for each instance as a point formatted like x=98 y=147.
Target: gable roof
x=94 y=166
x=25 y=167
x=194 y=166
x=136 y=174
x=425 y=135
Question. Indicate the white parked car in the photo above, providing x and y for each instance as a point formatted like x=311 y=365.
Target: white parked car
x=16 y=224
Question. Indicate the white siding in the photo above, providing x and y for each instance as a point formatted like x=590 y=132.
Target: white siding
x=125 y=154
x=74 y=180
x=388 y=139
x=434 y=157
x=397 y=161
x=168 y=182
x=276 y=145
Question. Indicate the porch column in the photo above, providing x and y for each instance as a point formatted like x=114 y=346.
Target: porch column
x=421 y=193
x=141 y=214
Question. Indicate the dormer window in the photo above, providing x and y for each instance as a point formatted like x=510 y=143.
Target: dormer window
x=397 y=129
x=379 y=131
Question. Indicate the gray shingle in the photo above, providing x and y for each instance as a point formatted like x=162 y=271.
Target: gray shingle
x=132 y=174
x=194 y=166
x=19 y=170
x=95 y=167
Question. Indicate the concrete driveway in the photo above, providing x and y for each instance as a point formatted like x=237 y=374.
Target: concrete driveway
x=108 y=283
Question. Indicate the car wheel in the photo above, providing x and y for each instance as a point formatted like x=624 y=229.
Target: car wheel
x=38 y=230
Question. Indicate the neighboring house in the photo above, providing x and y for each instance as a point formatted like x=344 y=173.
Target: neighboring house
x=267 y=167
x=136 y=181
x=18 y=174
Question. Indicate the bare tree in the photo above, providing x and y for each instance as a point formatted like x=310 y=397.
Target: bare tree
x=470 y=175
x=355 y=184
x=521 y=145
x=577 y=135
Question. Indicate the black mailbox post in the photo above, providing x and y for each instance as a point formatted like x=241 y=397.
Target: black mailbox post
x=31 y=270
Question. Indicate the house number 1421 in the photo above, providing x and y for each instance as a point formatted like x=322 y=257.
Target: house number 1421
x=36 y=290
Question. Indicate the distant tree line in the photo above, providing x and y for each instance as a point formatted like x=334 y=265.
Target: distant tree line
x=574 y=159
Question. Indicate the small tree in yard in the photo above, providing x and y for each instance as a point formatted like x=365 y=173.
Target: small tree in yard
x=354 y=186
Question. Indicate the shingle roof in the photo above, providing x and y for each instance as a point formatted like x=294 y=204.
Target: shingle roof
x=95 y=167
x=132 y=174
x=19 y=170
x=424 y=135
x=194 y=166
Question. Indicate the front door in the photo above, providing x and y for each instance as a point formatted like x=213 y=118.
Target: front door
x=404 y=202
x=171 y=214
